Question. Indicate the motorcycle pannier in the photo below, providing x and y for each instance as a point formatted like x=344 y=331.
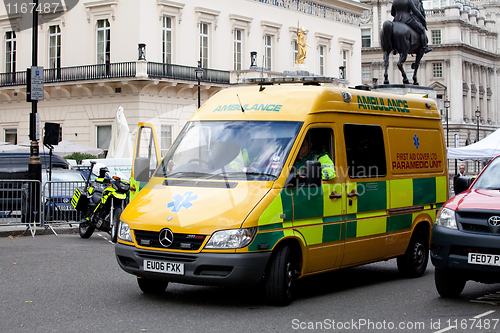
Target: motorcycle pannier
x=79 y=200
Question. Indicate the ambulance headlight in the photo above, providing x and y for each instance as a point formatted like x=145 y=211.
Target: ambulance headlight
x=231 y=239
x=124 y=232
x=447 y=219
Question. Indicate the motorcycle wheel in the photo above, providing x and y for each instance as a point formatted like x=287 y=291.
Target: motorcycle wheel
x=86 y=229
x=116 y=221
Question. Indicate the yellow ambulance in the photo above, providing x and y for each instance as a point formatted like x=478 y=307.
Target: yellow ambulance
x=227 y=205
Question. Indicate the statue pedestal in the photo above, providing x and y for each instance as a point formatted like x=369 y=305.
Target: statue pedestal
x=403 y=89
x=301 y=69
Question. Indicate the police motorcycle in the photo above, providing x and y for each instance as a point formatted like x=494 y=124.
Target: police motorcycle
x=101 y=203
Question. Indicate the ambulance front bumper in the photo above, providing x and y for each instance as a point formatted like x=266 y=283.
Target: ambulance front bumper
x=214 y=269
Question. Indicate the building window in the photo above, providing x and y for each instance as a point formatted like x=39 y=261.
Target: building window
x=436 y=36
x=437 y=70
x=166 y=138
x=104 y=137
x=295 y=51
x=238 y=43
x=54 y=50
x=321 y=53
x=366 y=38
x=268 y=51
x=344 y=64
x=409 y=71
x=103 y=43
x=10 y=52
x=204 y=44
x=11 y=136
x=167 y=40
x=367 y=73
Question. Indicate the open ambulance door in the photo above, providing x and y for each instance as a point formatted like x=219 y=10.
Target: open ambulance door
x=146 y=157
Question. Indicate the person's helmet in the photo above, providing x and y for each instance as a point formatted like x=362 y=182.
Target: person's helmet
x=103 y=171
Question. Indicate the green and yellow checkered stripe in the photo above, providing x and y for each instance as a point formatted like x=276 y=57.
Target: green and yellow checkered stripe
x=366 y=215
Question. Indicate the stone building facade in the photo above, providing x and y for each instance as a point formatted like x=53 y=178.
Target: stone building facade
x=464 y=66
x=93 y=61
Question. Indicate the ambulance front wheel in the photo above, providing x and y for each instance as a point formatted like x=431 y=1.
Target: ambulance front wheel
x=280 y=278
x=414 y=262
x=152 y=287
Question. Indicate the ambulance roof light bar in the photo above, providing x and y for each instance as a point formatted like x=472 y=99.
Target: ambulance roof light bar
x=293 y=79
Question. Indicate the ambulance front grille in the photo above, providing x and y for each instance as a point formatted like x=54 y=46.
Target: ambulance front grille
x=188 y=242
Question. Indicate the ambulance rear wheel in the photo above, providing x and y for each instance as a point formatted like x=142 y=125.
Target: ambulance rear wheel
x=152 y=287
x=280 y=279
x=414 y=262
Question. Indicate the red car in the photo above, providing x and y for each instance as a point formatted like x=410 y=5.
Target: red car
x=465 y=240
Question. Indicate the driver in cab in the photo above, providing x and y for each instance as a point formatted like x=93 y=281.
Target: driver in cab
x=306 y=154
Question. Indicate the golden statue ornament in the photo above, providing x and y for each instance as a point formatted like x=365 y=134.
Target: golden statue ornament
x=301 y=44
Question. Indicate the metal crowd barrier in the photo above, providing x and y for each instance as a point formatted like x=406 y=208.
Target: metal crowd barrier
x=54 y=204
x=14 y=203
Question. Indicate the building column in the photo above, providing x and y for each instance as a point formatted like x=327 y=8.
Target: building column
x=454 y=90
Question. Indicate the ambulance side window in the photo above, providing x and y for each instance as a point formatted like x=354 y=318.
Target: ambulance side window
x=318 y=142
x=365 y=151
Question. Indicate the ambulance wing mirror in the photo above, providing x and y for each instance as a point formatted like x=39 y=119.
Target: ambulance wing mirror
x=141 y=169
x=313 y=173
x=462 y=184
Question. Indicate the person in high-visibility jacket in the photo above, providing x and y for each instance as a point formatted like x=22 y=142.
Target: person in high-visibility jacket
x=241 y=161
x=327 y=166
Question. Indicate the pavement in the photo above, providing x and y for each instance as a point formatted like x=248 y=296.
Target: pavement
x=23 y=230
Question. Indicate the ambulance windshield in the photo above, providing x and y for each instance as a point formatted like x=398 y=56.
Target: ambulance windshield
x=252 y=150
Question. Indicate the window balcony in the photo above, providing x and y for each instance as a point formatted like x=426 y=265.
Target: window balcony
x=117 y=71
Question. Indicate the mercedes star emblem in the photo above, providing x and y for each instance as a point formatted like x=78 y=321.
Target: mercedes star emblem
x=166 y=237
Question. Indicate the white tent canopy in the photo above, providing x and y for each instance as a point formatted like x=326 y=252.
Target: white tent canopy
x=65 y=148
x=14 y=149
x=484 y=149
x=120 y=145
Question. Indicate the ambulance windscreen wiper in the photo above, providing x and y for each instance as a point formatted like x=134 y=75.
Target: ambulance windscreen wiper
x=180 y=174
x=241 y=174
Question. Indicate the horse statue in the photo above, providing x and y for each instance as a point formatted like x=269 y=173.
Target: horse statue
x=399 y=38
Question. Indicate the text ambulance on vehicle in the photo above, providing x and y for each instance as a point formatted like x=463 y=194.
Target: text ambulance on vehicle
x=226 y=205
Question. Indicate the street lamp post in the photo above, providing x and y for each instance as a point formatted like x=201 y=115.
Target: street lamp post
x=199 y=75
x=478 y=116
x=447 y=106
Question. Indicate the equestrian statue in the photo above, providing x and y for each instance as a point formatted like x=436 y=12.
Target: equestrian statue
x=405 y=35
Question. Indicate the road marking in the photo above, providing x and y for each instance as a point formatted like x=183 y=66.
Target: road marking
x=449 y=328
x=106 y=238
x=493 y=299
x=484 y=314
x=445 y=329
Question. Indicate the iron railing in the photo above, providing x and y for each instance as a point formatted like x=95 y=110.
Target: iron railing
x=178 y=72
x=90 y=72
x=77 y=73
x=117 y=70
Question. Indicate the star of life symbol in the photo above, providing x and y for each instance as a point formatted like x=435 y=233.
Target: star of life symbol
x=415 y=141
x=182 y=201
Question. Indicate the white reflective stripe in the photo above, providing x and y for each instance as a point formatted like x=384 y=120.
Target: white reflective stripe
x=327 y=166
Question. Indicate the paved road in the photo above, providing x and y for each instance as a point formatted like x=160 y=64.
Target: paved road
x=69 y=284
